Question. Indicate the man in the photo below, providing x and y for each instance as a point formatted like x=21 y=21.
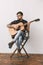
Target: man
x=18 y=38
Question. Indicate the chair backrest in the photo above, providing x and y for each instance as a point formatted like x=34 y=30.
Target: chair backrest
x=26 y=37
x=26 y=34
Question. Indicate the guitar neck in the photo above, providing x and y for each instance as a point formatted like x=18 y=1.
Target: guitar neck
x=36 y=20
x=28 y=22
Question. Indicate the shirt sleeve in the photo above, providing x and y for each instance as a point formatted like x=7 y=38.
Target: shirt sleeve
x=24 y=21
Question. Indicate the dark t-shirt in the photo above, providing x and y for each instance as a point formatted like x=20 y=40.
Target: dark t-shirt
x=18 y=21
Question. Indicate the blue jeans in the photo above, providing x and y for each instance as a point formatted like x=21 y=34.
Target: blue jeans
x=19 y=38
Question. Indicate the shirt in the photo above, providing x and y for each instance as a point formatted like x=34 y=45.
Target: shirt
x=18 y=21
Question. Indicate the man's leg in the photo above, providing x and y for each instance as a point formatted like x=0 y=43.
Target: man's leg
x=16 y=37
x=19 y=33
x=19 y=42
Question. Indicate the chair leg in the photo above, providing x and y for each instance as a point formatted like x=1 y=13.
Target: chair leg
x=25 y=52
x=13 y=53
x=20 y=54
x=24 y=44
x=21 y=49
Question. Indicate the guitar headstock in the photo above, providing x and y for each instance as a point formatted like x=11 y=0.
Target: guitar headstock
x=36 y=20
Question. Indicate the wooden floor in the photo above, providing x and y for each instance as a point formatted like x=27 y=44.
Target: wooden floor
x=33 y=59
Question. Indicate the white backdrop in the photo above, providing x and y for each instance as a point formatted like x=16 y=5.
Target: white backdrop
x=32 y=9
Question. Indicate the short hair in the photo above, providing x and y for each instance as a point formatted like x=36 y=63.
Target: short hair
x=20 y=13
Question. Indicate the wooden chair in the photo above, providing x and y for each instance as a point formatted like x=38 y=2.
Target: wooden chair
x=26 y=37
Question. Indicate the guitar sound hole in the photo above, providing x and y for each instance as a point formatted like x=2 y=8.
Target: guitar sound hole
x=18 y=28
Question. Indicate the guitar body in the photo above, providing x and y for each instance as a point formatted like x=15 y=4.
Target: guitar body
x=14 y=31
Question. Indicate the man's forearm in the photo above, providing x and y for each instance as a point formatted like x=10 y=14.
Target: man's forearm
x=9 y=26
x=28 y=26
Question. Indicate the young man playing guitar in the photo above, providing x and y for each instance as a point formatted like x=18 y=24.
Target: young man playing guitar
x=17 y=29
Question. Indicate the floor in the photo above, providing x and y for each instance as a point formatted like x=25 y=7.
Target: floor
x=33 y=59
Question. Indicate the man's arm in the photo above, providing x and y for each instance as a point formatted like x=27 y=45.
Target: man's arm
x=28 y=23
x=28 y=26
x=9 y=26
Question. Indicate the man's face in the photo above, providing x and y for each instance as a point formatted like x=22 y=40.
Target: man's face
x=19 y=16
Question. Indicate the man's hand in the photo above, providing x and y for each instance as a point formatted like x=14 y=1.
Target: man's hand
x=8 y=25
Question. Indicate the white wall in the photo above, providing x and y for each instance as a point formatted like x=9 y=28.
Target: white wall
x=32 y=9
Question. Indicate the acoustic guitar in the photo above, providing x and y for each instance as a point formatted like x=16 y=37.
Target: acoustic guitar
x=20 y=26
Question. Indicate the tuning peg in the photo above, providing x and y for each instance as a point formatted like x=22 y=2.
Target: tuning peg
x=37 y=20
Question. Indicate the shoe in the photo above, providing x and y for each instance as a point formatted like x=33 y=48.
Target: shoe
x=19 y=50
x=11 y=44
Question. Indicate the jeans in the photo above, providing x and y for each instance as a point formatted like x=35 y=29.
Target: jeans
x=19 y=38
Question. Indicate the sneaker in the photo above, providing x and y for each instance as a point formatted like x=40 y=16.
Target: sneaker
x=11 y=44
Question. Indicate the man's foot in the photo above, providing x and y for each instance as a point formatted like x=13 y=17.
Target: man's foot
x=11 y=44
